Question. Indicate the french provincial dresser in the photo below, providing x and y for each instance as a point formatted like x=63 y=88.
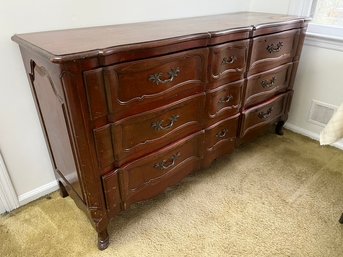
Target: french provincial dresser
x=129 y=110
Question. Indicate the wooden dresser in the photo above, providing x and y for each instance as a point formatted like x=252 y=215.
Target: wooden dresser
x=129 y=110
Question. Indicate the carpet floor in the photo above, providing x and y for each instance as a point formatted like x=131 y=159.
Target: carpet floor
x=277 y=196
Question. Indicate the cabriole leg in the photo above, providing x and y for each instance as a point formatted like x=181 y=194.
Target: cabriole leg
x=341 y=219
x=279 y=127
x=63 y=191
x=103 y=240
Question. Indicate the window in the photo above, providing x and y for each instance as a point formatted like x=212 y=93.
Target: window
x=328 y=12
x=327 y=18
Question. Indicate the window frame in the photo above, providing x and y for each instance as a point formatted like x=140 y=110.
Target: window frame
x=325 y=36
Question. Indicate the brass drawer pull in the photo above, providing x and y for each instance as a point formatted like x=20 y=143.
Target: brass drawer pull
x=222 y=133
x=274 y=48
x=265 y=115
x=166 y=164
x=268 y=84
x=229 y=60
x=158 y=125
x=225 y=99
x=156 y=78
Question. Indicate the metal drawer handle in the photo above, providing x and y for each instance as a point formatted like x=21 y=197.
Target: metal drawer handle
x=229 y=60
x=225 y=99
x=158 y=125
x=166 y=164
x=156 y=78
x=222 y=133
x=268 y=84
x=274 y=48
x=265 y=115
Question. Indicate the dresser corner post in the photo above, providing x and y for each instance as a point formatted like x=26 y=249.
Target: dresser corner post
x=81 y=133
x=100 y=221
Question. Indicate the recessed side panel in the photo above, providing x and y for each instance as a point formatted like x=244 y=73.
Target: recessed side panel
x=52 y=110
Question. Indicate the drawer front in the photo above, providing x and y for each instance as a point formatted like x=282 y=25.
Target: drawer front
x=229 y=60
x=152 y=174
x=224 y=101
x=110 y=183
x=220 y=139
x=264 y=85
x=141 y=134
x=273 y=50
x=263 y=114
x=146 y=84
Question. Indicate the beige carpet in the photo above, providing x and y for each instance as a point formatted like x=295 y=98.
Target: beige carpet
x=278 y=196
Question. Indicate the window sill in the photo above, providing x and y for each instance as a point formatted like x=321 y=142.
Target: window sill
x=324 y=41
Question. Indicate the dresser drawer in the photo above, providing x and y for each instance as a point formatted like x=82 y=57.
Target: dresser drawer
x=264 y=85
x=144 y=133
x=110 y=184
x=263 y=114
x=224 y=101
x=273 y=50
x=220 y=139
x=142 y=85
x=228 y=61
x=152 y=174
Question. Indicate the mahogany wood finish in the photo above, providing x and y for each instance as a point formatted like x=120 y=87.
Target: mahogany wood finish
x=270 y=51
x=224 y=101
x=150 y=175
x=141 y=85
x=229 y=60
x=143 y=133
x=263 y=113
x=129 y=110
x=220 y=139
x=264 y=85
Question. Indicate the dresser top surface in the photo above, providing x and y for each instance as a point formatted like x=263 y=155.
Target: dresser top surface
x=71 y=41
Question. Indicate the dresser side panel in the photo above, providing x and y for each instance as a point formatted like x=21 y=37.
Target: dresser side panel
x=50 y=104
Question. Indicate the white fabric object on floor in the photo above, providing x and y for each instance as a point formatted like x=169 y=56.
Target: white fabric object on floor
x=333 y=131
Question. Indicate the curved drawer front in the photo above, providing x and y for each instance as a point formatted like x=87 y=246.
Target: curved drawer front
x=229 y=60
x=220 y=132
x=263 y=114
x=224 y=101
x=273 y=50
x=146 y=84
x=220 y=139
x=264 y=85
x=141 y=134
x=152 y=174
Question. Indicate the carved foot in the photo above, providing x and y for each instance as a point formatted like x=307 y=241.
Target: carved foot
x=279 y=127
x=63 y=191
x=103 y=240
x=341 y=219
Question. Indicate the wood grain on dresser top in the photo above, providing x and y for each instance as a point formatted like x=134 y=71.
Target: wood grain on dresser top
x=62 y=45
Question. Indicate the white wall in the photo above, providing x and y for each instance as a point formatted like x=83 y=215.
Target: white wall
x=21 y=138
x=271 y=6
x=318 y=78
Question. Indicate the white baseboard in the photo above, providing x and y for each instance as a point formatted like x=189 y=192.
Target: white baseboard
x=38 y=192
x=43 y=190
x=309 y=134
x=8 y=196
